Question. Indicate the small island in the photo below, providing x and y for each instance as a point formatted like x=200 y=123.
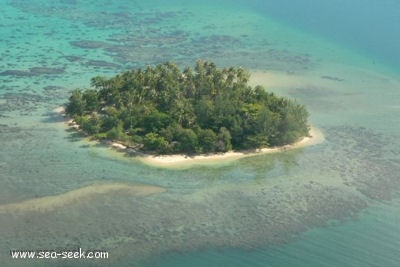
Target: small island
x=201 y=110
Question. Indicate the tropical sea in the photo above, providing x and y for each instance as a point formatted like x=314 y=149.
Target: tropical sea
x=331 y=204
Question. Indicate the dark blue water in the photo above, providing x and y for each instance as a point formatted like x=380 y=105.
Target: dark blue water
x=368 y=26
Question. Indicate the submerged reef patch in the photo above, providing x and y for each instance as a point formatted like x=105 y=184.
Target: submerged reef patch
x=238 y=217
x=365 y=160
x=35 y=71
x=102 y=64
x=88 y=44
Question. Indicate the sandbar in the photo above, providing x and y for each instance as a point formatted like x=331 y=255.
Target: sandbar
x=50 y=203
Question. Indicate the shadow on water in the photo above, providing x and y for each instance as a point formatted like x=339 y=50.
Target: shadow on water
x=53 y=117
x=74 y=136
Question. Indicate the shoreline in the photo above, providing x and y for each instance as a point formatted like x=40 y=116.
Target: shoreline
x=185 y=161
x=180 y=160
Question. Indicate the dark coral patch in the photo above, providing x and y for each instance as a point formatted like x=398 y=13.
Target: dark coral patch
x=88 y=44
x=35 y=71
x=102 y=64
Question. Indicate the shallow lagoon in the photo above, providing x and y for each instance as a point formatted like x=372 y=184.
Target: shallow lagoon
x=294 y=208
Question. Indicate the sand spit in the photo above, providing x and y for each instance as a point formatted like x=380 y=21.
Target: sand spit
x=50 y=203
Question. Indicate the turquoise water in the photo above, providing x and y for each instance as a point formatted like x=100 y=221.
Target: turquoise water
x=331 y=204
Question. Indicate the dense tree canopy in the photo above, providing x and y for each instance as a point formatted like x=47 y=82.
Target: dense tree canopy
x=200 y=110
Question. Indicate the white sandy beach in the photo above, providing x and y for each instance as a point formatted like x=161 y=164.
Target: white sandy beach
x=183 y=161
x=316 y=137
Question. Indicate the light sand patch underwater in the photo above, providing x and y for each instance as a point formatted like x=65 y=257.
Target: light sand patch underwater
x=50 y=203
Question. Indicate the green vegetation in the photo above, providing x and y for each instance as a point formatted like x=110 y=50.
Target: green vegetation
x=200 y=110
